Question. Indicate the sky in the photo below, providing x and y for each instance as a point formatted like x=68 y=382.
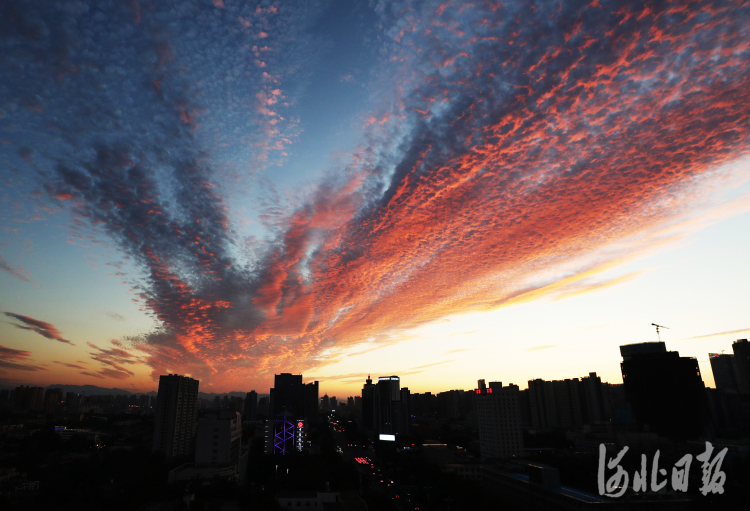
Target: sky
x=443 y=191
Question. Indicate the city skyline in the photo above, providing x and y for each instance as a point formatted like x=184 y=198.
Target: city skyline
x=441 y=192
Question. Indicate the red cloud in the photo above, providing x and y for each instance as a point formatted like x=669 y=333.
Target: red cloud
x=15 y=354
x=42 y=328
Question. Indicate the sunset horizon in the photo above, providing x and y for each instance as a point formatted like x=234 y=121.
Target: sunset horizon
x=445 y=192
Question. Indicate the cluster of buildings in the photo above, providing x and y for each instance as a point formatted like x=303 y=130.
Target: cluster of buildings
x=215 y=440
x=56 y=401
x=662 y=403
x=662 y=397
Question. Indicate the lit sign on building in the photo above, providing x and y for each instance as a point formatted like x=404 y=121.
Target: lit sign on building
x=389 y=438
x=287 y=436
x=299 y=440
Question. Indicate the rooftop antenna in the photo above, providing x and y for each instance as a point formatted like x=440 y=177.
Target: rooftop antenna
x=657 y=329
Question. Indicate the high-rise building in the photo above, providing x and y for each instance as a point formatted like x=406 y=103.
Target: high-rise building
x=218 y=440
x=368 y=405
x=450 y=404
x=499 y=416
x=29 y=398
x=251 y=405
x=263 y=406
x=666 y=391
x=391 y=406
x=72 y=402
x=176 y=415
x=423 y=405
x=218 y=450
x=325 y=403
x=311 y=407
x=725 y=372
x=52 y=399
x=385 y=406
x=289 y=395
x=594 y=406
x=741 y=350
x=556 y=404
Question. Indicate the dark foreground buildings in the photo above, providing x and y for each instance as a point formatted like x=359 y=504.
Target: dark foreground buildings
x=176 y=415
x=292 y=397
x=293 y=403
x=385 y=406
x=665 y=390
x=499 y=416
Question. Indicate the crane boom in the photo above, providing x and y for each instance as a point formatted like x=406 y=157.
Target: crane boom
x=657 y=329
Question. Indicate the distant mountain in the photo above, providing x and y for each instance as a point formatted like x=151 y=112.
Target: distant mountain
x=91 y=390
x=211 y=395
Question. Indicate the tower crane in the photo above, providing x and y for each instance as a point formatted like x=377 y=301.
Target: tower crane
x=657 y=329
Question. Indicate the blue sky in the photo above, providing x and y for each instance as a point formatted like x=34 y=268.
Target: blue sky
x=441 y=191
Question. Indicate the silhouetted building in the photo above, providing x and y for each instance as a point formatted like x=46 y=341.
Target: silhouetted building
x=218 y=450
x=285 y=434
x=499 y=416
x=730 y=412
x=29 y=398
x=251 y=405
x=666 y=391
x=451 y=404
x=176 y=415
x=73 y=402
x=556 y=404
x=52 y=399
x=594 y=409
x=616 y=406
x=368 y=405
x=325 y=403
x=423 y=405
x=723 y=367
x=741 y=350
x=218 y=439
x=289 y=395
x=263 y=406
x=311 y=393
x=391 y=406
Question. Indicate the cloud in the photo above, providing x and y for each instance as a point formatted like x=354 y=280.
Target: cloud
x=115 y=358
x=20 y=367
x=11 y=353
x=72 y=366
x=717 y=334
x=115 y=316
x=11 y=359
x=42 y=328
x=587 y=286
x=511 y=148
x=545 y=347
x=435 y=364
x=459 y=351
x=16 y=271
x=94 y=375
